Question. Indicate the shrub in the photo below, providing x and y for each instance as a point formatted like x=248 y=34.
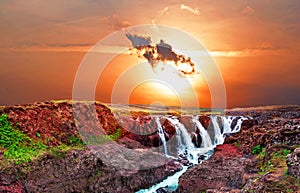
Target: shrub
x=256 y=149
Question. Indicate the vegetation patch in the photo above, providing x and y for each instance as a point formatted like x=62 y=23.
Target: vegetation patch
x=272 y=162
x=17 y=146
x=256 y=149
x=101 y=139
x=20 y=148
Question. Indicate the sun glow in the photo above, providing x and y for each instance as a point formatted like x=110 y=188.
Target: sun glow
x=156 y=69
x=170 y=75
x=149 y=92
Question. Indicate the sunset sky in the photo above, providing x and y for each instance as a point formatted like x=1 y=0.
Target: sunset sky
x=255 y=44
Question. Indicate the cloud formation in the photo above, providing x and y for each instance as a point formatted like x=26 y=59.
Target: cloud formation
x=164 y=11
x=194 y=11
x=116 y=22
x=160 y=52
x=161 y=13
x=248 y=11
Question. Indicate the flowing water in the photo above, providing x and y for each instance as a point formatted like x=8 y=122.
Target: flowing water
x=161 y=135
x=206 y=140
x=221 y=126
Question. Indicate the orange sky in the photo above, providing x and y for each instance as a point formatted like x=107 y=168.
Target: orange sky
x=255 y=45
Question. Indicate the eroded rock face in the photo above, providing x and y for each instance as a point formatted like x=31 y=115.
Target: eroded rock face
x=55 y=122
x=204 y=120
x=9 y=182
x=126 y=168
x=293 y=163
x=225 y=170
x=267 y=127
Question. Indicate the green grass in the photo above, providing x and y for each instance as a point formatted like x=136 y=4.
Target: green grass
x=17 y=145
x=101 y=139
x=20 y=148
x=282 y=153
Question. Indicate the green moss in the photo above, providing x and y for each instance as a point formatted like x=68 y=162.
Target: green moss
x=102 y=139
x=75 y=141
x=237 y=144
x=38 y=135
x=99 y=173
x=115 y=136
x=270 y=163
x=19 y=148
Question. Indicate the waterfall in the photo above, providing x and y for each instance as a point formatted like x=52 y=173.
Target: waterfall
x=239 y=124
x=161 y=135
x=182 y=133
x=186 y=147
x=184 y=141
x=219 y=138
x=228 y=121
x=206 y=140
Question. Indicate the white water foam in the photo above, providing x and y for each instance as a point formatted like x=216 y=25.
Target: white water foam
x=161 y=135
x=185 y=145
x=206 y=140
x=219 y=137
x=171 y=183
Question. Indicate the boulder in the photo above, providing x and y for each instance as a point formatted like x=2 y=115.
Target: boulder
x=225 y=170
x=293 y=163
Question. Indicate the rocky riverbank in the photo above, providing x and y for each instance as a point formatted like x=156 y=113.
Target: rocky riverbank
x=262 y=157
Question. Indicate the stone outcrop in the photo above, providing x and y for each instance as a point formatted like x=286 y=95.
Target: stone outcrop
x=225 y=170
x=56 y=122
x=99 y=169
x=293 y=163
x=273 y=128
x=267 y=127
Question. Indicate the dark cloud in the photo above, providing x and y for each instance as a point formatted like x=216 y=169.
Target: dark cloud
x=161 y=52
x=139 y=41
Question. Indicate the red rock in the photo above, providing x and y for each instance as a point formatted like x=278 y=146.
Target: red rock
x=227 y=150
x=15 y=187
x=169 y=128
x=204 y=120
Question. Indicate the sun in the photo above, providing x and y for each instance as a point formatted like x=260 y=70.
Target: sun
x=155 y=68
